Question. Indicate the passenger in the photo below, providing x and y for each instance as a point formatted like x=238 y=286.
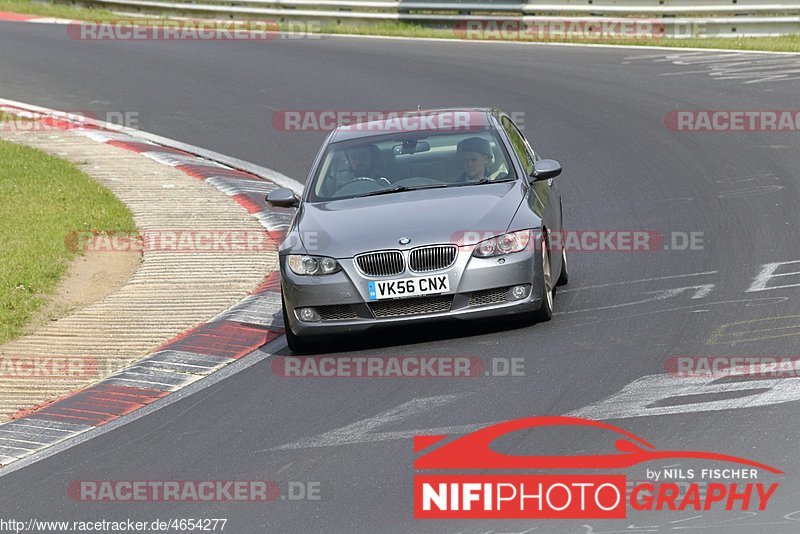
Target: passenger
x=476 y=155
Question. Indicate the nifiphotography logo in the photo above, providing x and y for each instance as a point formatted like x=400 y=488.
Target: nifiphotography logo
x=449 y=492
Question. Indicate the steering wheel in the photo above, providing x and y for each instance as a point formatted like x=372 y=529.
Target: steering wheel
x=360 y=179
x=378 y=180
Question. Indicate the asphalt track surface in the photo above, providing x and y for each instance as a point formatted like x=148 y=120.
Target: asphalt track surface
x=598 y=111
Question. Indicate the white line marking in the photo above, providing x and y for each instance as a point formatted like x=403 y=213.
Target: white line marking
x=686 y=519
x=767 y=273
x=364 y=431
x=560 y=291
x=681 y=73
x=700 y=291
x=747 y=302
x=640 y=397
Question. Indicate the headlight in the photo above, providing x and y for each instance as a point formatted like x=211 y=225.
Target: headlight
x=503 y=244
x=308 y=265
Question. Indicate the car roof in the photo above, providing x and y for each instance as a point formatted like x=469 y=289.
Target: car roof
x=432 y=120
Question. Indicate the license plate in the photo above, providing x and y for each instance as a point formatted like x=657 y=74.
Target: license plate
x=409 y=287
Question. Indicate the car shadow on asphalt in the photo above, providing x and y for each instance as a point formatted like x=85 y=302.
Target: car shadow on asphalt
x=399 y=336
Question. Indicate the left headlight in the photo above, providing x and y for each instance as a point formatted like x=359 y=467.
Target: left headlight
x=312 y=265
x=503 y=244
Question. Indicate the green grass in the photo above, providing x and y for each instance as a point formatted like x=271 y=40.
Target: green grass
x=8 y=117
x=789 y=43
x=50 y=9
x=43 y=200
x=402 y=29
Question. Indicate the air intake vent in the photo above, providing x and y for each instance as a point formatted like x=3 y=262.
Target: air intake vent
x=485 y=297
x=411 y=306
x=384 y=263
x=426 y=259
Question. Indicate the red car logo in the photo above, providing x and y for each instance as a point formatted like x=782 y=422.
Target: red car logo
x=473 y=451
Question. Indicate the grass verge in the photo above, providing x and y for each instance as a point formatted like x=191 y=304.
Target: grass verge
x=51 y=9
x=790 y=43
x=44 y=198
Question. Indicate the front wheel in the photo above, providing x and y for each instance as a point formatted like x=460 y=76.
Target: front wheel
x=545 y=311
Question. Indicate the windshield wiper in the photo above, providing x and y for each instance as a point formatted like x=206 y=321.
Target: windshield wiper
x=401 y=188
x=484 y=181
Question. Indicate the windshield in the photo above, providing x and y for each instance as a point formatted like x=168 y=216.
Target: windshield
x=409 y=161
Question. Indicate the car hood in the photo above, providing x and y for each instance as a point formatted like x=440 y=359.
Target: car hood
x=344 y=228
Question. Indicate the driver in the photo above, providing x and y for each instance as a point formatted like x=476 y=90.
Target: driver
x=360 y=161
x=361 y=164
x=476 y=155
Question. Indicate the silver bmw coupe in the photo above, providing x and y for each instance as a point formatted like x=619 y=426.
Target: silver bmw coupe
x=416 y=217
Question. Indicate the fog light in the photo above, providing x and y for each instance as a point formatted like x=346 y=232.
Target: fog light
x=308 y=315
x=519 y=292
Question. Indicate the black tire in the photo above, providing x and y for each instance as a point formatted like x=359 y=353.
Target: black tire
x=563 y=278
x=545 y=311
x=297 y=344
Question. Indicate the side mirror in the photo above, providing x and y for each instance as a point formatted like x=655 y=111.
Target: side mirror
x=544 y=169
x=283 y=198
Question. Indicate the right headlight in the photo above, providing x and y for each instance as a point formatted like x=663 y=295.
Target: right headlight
x=503 y=244
x=312 y=265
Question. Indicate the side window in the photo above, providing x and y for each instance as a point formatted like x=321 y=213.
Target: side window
x=531 y=151
x=519 y=144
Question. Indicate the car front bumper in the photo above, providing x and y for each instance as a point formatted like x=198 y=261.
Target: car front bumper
x=476 y=291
